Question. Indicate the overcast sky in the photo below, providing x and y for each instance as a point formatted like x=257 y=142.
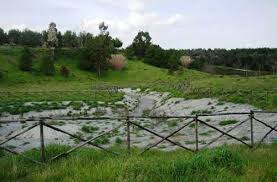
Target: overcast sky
x=171 y=23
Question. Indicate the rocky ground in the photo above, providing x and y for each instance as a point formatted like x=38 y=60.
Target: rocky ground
x=139 y=103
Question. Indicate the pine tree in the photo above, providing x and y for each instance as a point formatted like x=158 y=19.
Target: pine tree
x=25 y=62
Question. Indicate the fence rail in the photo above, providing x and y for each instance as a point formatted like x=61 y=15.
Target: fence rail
x=128 y=122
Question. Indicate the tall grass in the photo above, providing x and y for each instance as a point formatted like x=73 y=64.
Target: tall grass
x=233 y=163
x=118 y=61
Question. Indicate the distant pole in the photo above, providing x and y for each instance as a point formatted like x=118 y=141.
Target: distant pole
x=196 y=133
x=251 y=116
x=128 y=136
x=42 y=147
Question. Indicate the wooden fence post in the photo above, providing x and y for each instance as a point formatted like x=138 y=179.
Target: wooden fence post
x=128 y=136
x=42 y=147
x=251 y=116
x=196 y=133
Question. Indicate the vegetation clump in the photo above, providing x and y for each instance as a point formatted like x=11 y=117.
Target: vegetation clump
x=89 y=129
x=25 y=61
x=64 y=71
x=228 y=122
x=199 y=112
x=118 y=61
x=47 y=65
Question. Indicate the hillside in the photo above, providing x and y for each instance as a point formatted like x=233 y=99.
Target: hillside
x=22 y=86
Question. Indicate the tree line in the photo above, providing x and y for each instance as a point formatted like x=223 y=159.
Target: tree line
x=262 y=59
x=31 y=38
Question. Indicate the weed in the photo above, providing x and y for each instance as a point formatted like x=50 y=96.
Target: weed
x=228 y=122
x=89 y=129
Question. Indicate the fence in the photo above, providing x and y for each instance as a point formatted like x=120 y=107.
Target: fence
x=129 y=121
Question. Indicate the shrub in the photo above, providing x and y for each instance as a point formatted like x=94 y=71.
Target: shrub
x=118 y=61
x=185 y=61
x=118 y=140
x=227 y=122
x=47 y=64
x=207 y=164
x=156 y=56
x=89 y=129
x=96 y=54
x=25 y=61
x=1 y=75
x=64 y=71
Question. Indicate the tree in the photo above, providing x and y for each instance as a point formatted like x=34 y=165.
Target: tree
x=141 y=43
x=14 y=36
x=117 y=43
x=30 y=38
x=97 y=52
x=69 y=39
x=156 y=56
x=174 y=60
x=129 y=52
x=44 y=37
x=25 y=61
x=3 y=37
x=47 y=64
x=83 y=38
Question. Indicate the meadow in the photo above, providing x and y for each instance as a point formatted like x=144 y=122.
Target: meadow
x=226 y=163
x=18 y=86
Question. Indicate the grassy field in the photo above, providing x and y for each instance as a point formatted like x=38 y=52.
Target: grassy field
x=232 y=163
x=21 y=86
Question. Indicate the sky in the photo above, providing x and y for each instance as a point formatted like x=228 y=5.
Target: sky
x=171 y=23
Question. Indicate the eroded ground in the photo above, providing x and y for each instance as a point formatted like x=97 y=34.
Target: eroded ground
x=136 y=103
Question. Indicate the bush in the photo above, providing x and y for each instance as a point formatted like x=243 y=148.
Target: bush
x=64 y=71
x=156 y=56
x=228 y=122
x=96 y=54
x=185 y=61
x=118 y=61
x=89 y=129
x=25 y=61
x=207 y=164
x=197 y=63
x=47 y=64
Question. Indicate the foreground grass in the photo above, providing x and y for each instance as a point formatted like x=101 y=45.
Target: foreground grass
x=21 y=86
x=233 y=163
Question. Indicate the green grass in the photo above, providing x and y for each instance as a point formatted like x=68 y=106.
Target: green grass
x=233 y=163
x=21 y=86
x=89 y=129
x=228 y=122
x=54 y=122
x=199 y=112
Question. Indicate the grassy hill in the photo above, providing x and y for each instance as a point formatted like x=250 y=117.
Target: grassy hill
x=22 y=86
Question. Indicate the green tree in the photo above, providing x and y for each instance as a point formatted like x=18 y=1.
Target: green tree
x=47 y=65
x=83 y=38
x=117 y=43
x=141 y=43
x=70 y=39
x=30 y=38
x=3 y=37
x=156 y=56
x=14 y=36
x=25 y=61
x=97 y=52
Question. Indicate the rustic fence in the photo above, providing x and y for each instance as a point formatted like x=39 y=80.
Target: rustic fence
x=129 y=121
